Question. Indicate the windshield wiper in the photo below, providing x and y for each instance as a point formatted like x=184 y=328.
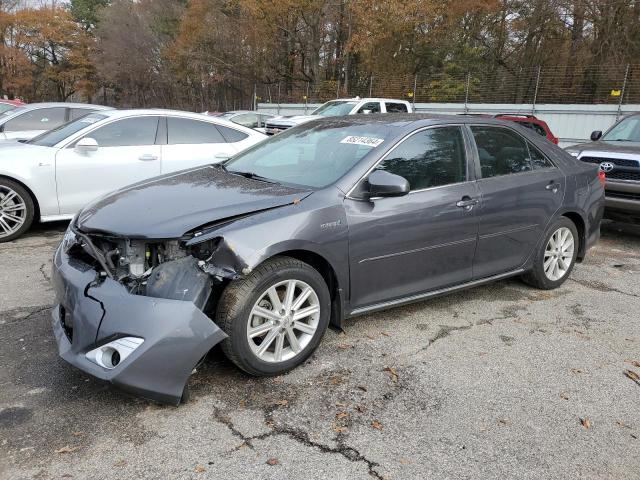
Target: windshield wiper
x=253 y=176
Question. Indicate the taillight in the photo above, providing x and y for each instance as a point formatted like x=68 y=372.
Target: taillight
x=602 y=177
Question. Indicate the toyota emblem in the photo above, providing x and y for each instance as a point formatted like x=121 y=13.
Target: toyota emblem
x=606 y=167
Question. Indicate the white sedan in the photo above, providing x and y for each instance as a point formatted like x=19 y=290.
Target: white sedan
x=55 y=174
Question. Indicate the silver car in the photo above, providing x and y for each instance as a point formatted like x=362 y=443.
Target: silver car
x=28 y=121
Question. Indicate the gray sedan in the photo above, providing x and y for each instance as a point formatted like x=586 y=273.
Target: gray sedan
x=331 y=219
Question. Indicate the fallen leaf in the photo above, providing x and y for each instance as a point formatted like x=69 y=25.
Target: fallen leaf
x=622 y=424
x=77 y=434
x=362 y=387
x=633 y=436
x=345 y=346
x=405 y=461
x=635 y=363
x=564 y=396
x=200 y=469
x=342 y=404
x=277 y=380
x=67 y=449
x=120 y=463
x=342 y=414
x=242 y=403
x=281 y=403
x=361 y=408
x=370 y=337
x=576 y=370
x=273 y=461
x=633 y=376
x=386 y=334
x=376 y=424
x=393 y=373
x=586 y=423
x=339 y=428
x=336 y=380
x=502 y=421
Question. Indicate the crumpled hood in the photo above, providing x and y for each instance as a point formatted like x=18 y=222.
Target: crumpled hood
x=171 y=205
x=602 y=147
x=293 y=120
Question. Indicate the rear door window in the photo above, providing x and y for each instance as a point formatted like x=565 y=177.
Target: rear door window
x=40 y=119
x=431 y=158
x=501 y=151
x=232 y=135
x=538 y=159
x=187 y=131
x=394 y=107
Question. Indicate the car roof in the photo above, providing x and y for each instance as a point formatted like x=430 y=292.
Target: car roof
x=34 y=106
x=367 y=99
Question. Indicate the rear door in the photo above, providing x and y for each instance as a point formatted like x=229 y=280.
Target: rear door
x=191 y=143
x=402 y=246
x=127 y=153
x=395 y=107
x=521 y=190
x=33 y=122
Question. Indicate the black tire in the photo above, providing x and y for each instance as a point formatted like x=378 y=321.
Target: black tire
x=25 y=197
x=536 y=277
x=240 y=296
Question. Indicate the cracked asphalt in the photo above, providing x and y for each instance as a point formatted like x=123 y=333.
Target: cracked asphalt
x=502 y=381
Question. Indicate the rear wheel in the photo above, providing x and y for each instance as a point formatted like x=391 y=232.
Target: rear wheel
x=275 y=317
x=556 y=256
x=16 y=210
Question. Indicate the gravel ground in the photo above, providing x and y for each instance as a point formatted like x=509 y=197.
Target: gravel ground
x=503 y=381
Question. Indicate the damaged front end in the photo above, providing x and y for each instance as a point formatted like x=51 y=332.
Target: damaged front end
x=137 y=312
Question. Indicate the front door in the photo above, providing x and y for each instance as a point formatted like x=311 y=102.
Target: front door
x=401 y=246
x=127 y=153
x=521 y=191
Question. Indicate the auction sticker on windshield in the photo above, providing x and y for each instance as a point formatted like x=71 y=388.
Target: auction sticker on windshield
x=368 y=141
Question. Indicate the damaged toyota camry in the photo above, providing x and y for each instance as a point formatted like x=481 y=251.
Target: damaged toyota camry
x=335 y=218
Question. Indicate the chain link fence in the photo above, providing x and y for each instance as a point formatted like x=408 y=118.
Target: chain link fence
x=569 y=84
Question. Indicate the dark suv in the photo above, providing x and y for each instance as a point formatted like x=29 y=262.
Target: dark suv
x=617 y=152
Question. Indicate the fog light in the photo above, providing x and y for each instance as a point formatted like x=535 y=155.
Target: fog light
x=110 y=355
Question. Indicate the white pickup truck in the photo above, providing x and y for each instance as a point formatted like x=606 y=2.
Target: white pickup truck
x=344 y=106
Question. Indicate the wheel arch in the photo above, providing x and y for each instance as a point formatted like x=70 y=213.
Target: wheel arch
x=36 y=204
x=324 y=267
x=580 y=224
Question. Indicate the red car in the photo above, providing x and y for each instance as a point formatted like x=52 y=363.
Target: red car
x=6 y=105
x=532 y=122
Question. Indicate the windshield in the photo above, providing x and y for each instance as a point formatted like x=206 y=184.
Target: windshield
x=52 y=137
x=314 y=156
x=332 y=109
x=628 y=130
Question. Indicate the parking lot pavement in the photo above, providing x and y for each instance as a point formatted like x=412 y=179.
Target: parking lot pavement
x=503 y=381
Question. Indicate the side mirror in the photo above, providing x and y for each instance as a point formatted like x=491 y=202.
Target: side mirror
x=386 y=184
x=595 y=135
x=86 y=145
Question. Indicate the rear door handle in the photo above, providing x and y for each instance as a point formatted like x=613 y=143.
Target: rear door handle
x=467 y=203
x=147 y=157
x=553 y=186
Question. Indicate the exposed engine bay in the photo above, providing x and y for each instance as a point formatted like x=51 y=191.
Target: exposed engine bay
x=163 y=269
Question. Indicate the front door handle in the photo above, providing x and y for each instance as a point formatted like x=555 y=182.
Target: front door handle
x=147 y=157
x=553 y=186
x=467 y=202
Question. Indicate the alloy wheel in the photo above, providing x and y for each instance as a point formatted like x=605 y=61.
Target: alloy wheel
x=283 y=321
x=13 y=211
x=558 y=254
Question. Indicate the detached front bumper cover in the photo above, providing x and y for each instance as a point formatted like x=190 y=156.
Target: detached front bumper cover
x=91 y=314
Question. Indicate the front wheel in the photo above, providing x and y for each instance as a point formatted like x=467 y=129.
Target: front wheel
x=556 y=257
x=275 y=317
